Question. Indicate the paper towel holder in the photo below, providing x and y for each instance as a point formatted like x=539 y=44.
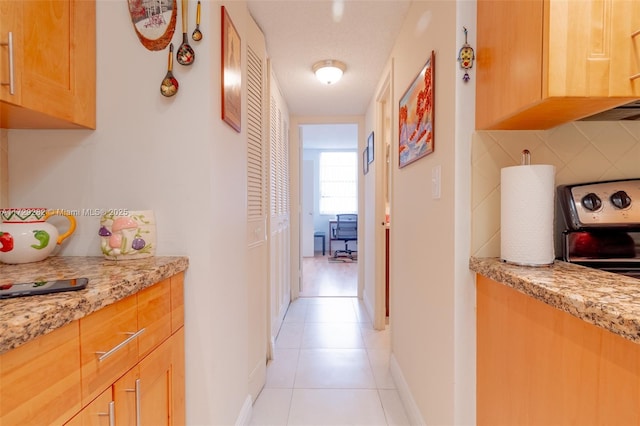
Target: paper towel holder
x=526 y=157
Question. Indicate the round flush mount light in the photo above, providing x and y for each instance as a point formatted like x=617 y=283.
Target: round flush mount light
x=329 y=71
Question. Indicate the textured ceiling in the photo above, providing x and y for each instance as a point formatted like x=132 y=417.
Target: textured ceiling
x=299 y=33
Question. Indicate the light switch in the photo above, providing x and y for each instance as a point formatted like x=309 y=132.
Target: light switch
x=435 y=182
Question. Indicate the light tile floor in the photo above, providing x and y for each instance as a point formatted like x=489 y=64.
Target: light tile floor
x=330 y=368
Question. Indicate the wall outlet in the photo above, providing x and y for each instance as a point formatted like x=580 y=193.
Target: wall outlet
x=436 y=172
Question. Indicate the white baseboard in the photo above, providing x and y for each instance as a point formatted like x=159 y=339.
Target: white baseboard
x=245 y=413
x=410 y=406
x=369 y=306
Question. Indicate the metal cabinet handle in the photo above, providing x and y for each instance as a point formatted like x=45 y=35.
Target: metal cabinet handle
x=111 y=413
x=634 y=35
x=137 y=391
x=11 y=84
x=132 y=336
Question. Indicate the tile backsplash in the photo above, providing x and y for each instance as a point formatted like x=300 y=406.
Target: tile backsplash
x=4 y=169
x=580 y=151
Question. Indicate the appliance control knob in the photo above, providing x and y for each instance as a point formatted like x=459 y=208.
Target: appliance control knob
x=621 y=200
x=591 y=202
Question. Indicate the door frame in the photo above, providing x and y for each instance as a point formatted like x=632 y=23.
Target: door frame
x=295 y=170
x=384 y=127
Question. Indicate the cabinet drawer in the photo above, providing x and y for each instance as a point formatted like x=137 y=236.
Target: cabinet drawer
x=41 y=379
x=108 y=346
x=154 y=315
x=177 y=301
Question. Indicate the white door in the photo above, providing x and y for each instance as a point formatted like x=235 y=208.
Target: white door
x=308 y=241
x=279 y=229
x=257 y=247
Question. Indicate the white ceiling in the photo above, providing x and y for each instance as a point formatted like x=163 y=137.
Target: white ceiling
x=299 y=33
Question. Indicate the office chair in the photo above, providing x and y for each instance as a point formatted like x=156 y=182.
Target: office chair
x=346 y=230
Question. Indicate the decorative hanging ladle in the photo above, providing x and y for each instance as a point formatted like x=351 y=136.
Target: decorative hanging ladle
x=169 y=86
x=197 y=35
x=185 y=55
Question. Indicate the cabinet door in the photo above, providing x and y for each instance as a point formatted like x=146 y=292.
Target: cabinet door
x=108 y=346
x=178 y=411
x=591 y=48
x=625 y=41
x=54 y=57
x=10 y=22
x=100 y=412
x=59 y=49
x=126 y=394
x=509 y=71
x=156 y=372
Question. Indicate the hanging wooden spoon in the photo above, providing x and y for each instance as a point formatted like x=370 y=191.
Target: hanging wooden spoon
x=197 y=35
x=169 y=86
x=185 y=55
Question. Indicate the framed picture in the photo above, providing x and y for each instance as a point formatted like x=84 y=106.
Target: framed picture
x=153 y=22
x=416 y=114
x=370 y=148
x=231 y=73
x=365 y=161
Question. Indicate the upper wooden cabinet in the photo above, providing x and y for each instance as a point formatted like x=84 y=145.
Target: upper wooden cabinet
x=542 y=63
x=53 y=61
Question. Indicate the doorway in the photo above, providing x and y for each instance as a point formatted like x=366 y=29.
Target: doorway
x=322 y=274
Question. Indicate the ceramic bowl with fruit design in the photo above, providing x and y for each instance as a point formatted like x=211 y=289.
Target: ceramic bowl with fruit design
x=127 y=235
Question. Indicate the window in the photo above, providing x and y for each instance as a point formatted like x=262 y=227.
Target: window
x=338 y=182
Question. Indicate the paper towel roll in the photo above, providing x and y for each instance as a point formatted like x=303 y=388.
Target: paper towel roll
x=527 y=209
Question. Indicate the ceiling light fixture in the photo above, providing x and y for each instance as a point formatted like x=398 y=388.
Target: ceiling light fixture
x=329 y=71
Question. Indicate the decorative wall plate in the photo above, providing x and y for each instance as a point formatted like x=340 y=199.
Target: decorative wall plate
x=154 y=21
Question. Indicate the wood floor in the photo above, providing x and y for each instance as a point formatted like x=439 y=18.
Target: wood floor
x=323 y=278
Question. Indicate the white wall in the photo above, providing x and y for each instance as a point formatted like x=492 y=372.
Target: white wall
x=432 y=292
x=172 y=155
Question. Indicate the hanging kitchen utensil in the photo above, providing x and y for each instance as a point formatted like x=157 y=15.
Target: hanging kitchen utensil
x=185 y=55
x=169 y=86
x=154 y=23
x=197 y=34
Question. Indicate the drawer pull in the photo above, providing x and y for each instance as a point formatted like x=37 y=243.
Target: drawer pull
x=111 y=413
x=105 y=355
x=634 y=35
x=9 y=43
x=137 y=391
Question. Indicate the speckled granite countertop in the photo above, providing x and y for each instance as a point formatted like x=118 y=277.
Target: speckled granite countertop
x=605 y=299
x=24 y=318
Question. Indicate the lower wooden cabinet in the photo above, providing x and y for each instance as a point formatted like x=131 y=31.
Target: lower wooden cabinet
x=40 y=380
x=538 y=365
x=100 y=370
x=151 y=393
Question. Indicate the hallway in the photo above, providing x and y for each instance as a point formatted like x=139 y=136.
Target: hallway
x=330 y=368
x=323 y=278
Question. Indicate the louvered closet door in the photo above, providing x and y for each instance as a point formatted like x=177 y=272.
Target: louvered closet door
x=258 y=254
x=279 y=209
